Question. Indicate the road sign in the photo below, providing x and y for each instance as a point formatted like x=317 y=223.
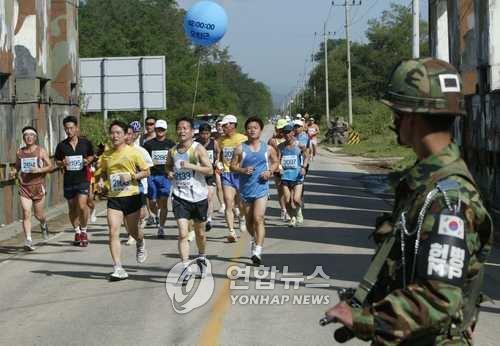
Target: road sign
x=123 y=83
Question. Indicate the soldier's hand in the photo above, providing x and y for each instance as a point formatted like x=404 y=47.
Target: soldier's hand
x=343 y=313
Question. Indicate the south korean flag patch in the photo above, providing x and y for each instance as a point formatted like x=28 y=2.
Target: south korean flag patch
x=451 y=225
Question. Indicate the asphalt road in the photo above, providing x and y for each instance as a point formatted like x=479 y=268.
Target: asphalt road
x=60 y=295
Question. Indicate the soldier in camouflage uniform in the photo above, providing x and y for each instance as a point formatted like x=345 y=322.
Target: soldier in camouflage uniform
x=427 y=289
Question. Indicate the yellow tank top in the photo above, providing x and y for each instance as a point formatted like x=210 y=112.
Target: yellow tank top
x=227 y=146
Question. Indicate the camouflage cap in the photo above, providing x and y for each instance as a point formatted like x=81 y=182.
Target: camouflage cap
x=425 y=86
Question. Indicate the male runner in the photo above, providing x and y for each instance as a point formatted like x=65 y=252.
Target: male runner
x=187 y=166
x=158 y=183
x=255 y=161
x=212 y=148
x=294 y=160
x=124 y=167
x=32 y=164
x=230 y=180
x=133 y=133
x=149 y=124
x=313 y=132
x=74 y=154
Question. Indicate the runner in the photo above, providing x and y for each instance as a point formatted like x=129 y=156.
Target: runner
x=212 y=148
x=133 y=133
x=123 y=167
x=276 y=140
x=158 y=183
x=218 y=172
x=150 y=130
x=303 y=138
x=149 y=134
x=187 y=166
x=230 y=181
x=313 y=132
x=294 y=159
x=32 y=164
x=255 y=161
x=74 y=154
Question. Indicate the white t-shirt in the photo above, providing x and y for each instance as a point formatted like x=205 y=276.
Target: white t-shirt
x=149 y=162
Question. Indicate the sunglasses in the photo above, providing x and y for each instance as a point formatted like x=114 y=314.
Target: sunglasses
x=150 y=124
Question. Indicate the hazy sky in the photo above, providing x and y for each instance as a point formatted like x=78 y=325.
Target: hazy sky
x=272 y=39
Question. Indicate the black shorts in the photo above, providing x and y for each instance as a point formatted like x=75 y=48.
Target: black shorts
x=144 y=200
x=72 y=191
x=127 y=205
x=196 y=211
x=210 y=179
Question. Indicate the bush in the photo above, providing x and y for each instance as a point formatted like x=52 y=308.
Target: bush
x=94 y=129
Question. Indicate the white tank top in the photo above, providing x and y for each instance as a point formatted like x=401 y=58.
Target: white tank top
x=188 y=185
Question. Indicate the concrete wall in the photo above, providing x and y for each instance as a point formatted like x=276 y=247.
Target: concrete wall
x=38 y=84
x=472 y=36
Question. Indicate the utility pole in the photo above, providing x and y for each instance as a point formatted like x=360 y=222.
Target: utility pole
x=347 y=5
x=416 y=29
x=327 y=94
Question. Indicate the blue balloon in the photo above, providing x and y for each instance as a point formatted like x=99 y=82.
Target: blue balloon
x=205 y=23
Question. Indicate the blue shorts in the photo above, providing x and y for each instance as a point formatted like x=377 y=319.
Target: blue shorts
x=251 y=199
x=158 y=187
x=231 y=179
x=291 y=183
x=72 y=191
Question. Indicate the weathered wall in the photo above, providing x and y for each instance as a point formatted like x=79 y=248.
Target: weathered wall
x=38 y=84
x=472 y=36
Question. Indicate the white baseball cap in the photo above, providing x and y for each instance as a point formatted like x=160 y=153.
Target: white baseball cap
x=298 y=122
x=298 y=116
x=228 y=119
x=161 y=124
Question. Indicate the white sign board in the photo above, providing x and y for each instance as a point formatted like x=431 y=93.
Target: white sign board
x=123 y=83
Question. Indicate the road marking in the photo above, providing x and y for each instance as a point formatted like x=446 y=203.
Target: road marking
x=492 y=264
x=211 y=332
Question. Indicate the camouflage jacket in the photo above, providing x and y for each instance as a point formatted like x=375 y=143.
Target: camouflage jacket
x=420 y=297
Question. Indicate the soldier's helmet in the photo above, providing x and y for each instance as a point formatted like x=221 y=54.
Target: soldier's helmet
x=425 y=86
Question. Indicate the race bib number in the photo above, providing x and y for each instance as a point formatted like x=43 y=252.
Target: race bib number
x=228 y=153
x=289 y=161
x=75 y=163
x=116 y=183
x=159 y=157
x=183 y=178
x=210 y=155
x=27 y=164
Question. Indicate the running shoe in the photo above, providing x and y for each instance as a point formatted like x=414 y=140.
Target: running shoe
x=141 y=254
x=191 y=236
x=28 y=245
x=222 y=208
x=256 y=259
x=293 y=222
x=252 y=247
x=300 y=217
x=243 y=224
x=130 y=241
x=150 y=221
x=186 y=274
x=84 y=240
x=232 y=237
x=202 y=266
x=45 y=231
x=93 y=216
x=161 y=233
x=208 y=226
x=283 y=215
x=118 y=274
x=77 y=240
x=287 y=216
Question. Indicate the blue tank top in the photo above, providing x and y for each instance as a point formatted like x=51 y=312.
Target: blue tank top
x=291 y=161
x=303 y=138
x=252 y=186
